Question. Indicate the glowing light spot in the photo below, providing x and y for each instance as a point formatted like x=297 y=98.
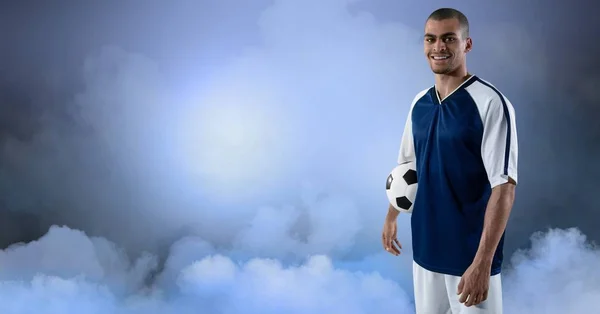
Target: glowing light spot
x=231 y=140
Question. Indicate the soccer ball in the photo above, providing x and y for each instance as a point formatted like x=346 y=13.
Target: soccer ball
x=401 y=187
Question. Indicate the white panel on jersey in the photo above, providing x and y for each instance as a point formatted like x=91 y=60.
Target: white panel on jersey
x=499 y=147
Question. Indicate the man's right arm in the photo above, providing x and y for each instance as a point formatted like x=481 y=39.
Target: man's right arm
x=406 y=154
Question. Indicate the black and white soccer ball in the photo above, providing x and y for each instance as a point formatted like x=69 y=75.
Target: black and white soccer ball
x=401 y=187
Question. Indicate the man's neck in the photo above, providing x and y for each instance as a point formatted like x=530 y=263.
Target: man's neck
x=447 y=83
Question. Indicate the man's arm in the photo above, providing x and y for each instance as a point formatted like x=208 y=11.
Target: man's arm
x=474 y=284
x=405 y=154
x=496 y=217
x=499 y=153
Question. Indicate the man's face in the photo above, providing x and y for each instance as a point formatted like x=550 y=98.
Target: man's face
x=445 y=46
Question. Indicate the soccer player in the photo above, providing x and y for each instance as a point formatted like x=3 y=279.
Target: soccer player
x=461 y=133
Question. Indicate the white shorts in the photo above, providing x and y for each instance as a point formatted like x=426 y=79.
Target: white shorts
x=435 y=293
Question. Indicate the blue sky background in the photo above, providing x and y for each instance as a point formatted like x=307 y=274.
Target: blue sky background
x=231 y=156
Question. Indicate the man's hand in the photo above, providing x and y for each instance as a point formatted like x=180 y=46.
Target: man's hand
x=474 y=284
x=390 y=229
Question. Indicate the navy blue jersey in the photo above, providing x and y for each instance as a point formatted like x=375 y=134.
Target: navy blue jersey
x=463 y=146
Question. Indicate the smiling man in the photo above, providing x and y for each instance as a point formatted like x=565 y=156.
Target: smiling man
x=462 y=135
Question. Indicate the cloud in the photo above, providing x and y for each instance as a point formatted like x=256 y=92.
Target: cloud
x=557 y=275
x=68 y=272
x=329 y=225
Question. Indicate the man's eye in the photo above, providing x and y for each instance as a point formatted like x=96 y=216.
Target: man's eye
x=449 y=39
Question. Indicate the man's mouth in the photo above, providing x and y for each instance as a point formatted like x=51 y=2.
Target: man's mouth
x=440 y=57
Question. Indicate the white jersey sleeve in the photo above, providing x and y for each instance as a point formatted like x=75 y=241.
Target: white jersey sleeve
x=407 y=147
x=499 y=146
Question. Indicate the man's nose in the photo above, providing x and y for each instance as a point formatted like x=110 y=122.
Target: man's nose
x=439 y=46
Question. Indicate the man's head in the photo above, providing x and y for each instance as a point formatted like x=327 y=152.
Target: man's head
x=446 y=40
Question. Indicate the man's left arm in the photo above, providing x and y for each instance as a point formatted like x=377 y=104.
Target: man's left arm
x=499 y=151
x=496 y=218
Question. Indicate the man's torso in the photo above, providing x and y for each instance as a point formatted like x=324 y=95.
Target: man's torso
x=454 y=189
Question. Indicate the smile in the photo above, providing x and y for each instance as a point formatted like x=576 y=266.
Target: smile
x=440 y=57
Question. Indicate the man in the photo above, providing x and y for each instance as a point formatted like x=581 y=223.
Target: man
x=462 y=135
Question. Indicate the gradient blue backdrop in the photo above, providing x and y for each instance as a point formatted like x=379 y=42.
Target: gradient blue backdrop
x=230 y=157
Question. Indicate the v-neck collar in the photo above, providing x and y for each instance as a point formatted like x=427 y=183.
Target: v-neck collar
x=463 y=84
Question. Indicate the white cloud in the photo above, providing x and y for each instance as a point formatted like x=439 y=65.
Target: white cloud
x=557 y=275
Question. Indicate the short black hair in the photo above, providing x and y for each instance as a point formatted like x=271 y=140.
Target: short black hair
x=449 y=13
